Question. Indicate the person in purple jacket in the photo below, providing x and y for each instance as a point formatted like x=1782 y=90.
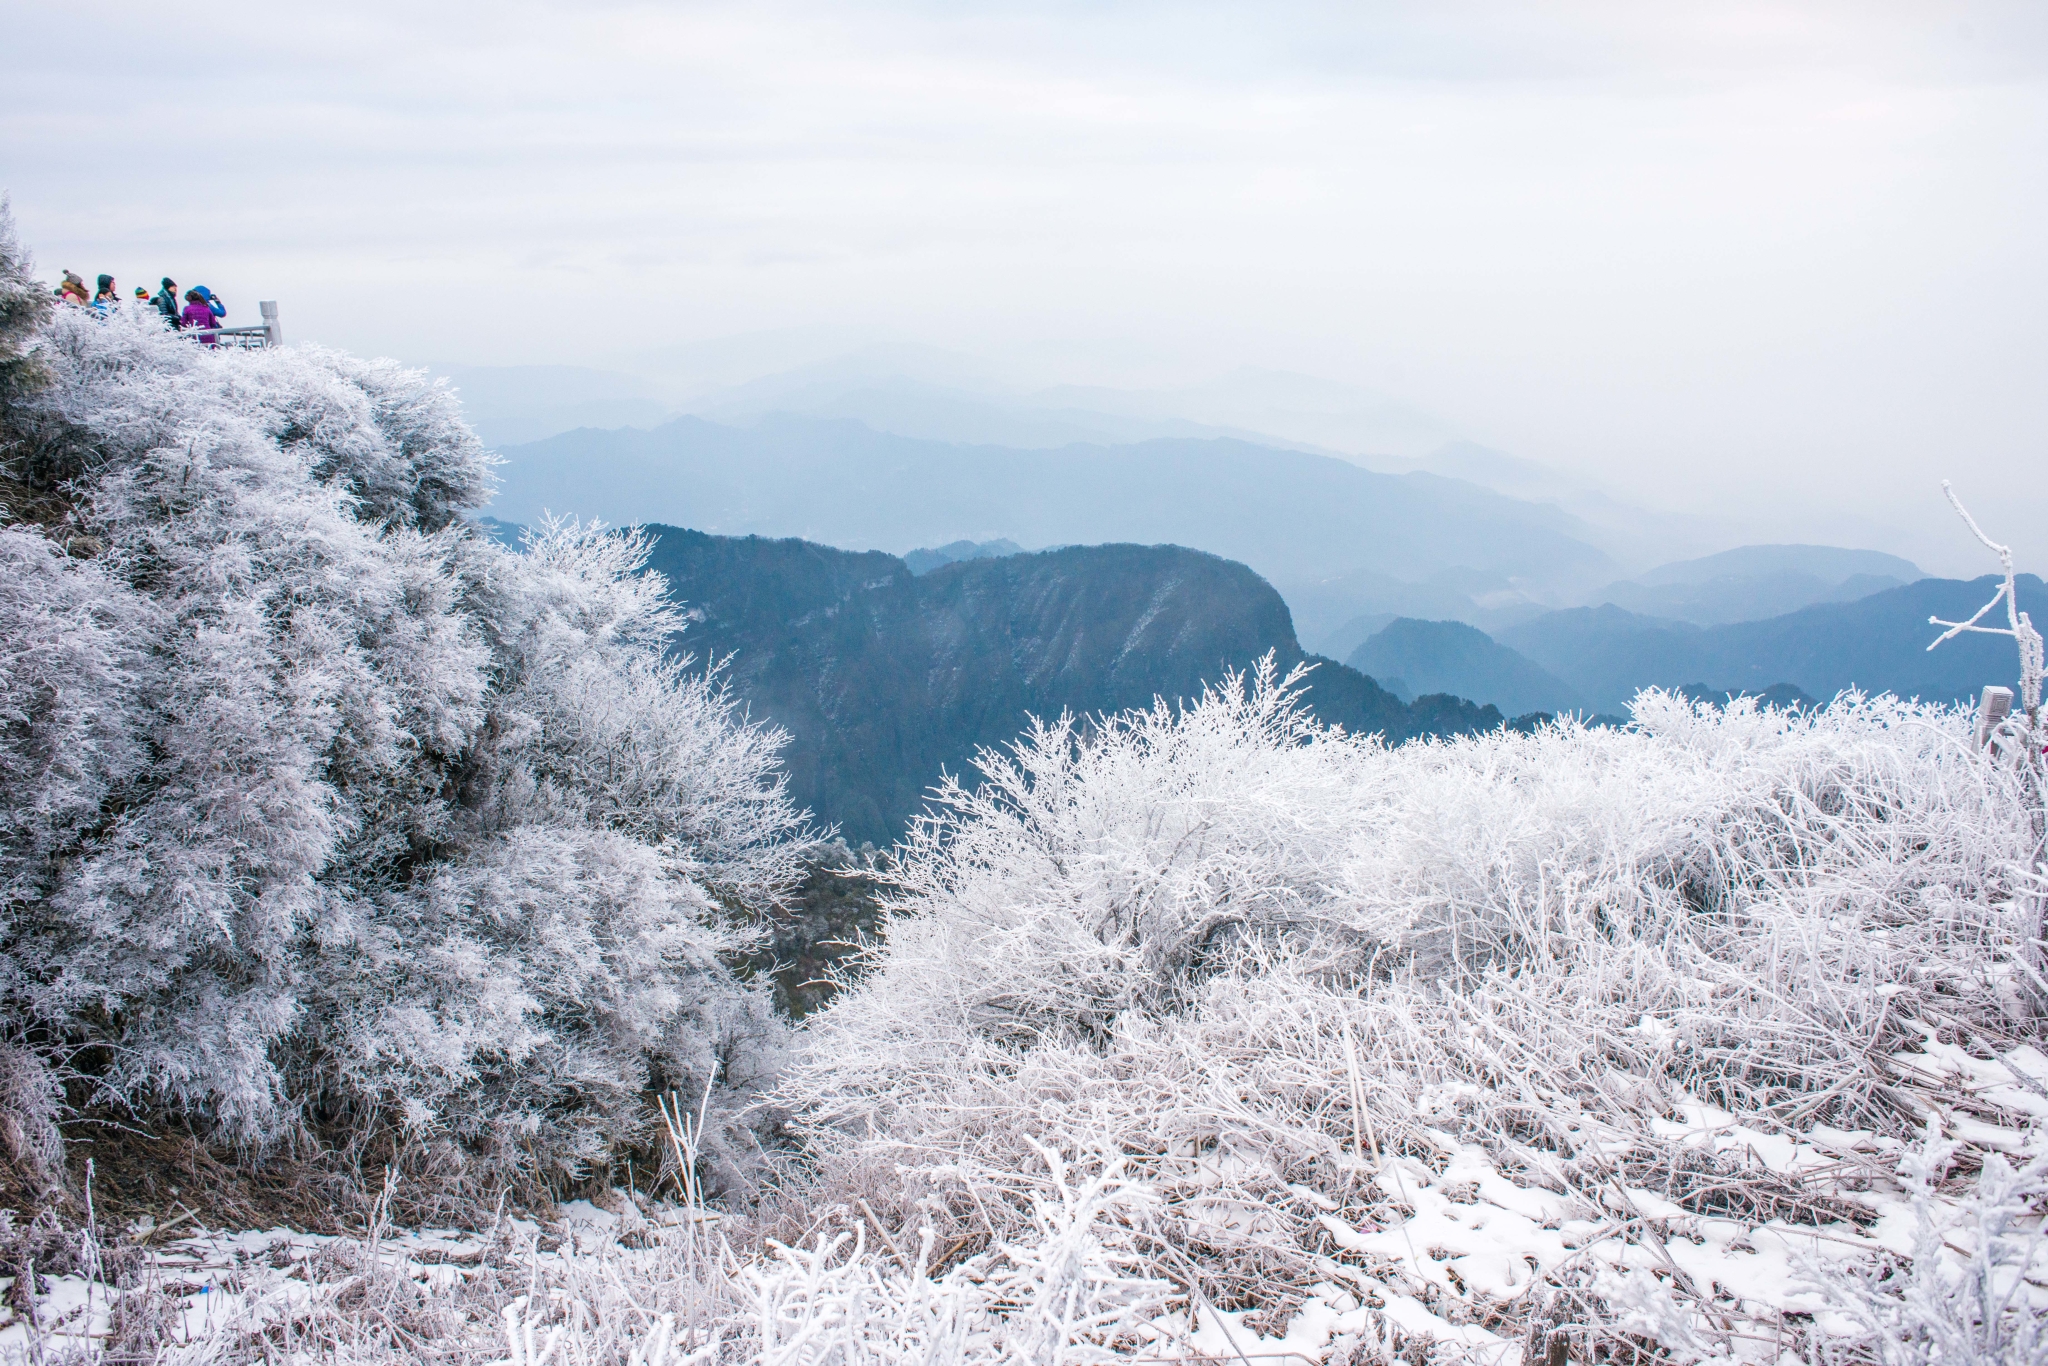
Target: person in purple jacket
x=198 y=314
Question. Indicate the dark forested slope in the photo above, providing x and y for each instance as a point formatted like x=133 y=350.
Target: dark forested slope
x=884 y=678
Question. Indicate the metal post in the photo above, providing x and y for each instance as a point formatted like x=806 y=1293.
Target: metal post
x=273 y=334
x=1996 y=704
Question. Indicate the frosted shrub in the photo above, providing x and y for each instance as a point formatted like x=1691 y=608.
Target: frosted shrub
x=1072 y=1289
x=321 y=808
x=1087 y=876
x=1309 y=984
x=618 y=829
x=1965 y=1306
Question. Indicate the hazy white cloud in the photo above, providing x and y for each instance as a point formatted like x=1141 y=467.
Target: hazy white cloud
x=1734 y=256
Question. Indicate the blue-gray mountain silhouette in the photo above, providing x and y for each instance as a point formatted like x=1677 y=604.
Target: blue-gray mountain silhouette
x=1295 y=518
x=1451 y=657
x=884 y=678
x=1877 y=643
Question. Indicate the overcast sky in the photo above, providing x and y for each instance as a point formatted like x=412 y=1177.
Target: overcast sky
x=1724 y=256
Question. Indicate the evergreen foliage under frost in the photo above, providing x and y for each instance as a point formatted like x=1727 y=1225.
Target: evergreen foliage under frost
x=322 y=810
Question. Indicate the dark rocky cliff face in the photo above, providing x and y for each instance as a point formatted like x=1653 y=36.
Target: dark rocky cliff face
x=884 y=679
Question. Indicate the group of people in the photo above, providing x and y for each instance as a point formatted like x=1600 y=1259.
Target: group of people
x=200 y=308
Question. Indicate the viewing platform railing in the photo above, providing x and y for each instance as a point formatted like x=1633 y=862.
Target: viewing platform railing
x=269 y=334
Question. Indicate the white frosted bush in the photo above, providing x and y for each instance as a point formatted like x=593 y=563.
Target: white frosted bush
x=1707 y=867
x=322 y=809
x=1084 y=877
x=1956 y=1306
x=1298 y=977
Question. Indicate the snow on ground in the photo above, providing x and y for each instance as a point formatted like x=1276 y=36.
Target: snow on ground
x=1470 y=1240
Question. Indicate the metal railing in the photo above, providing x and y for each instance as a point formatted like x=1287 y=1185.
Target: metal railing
x=269 y=334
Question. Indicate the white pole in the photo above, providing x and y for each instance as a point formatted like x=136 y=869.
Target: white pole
x=1994 y=707
x=273 y=334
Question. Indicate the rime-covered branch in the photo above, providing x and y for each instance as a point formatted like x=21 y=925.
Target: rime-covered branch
x=2018 y=625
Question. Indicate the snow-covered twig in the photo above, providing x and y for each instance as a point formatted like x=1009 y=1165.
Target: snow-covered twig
x=2018 y=625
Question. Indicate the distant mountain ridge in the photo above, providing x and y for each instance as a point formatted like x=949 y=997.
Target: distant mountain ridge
x=1451 y=657
x=1081 y=441
x=1720 y=602
x=1749 y=583
x=1827 y=563
x=1756 y=582
x=884 y=678
x=936 y=395
x=1877 y=643
x=840 y=483
x=1295 y=518
x=508 y=404
x=1598 y=658
x=872 y=451
x=924 y=561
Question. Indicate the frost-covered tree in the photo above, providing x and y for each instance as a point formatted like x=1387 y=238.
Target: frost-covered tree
x=324 y=811
x=24 y=304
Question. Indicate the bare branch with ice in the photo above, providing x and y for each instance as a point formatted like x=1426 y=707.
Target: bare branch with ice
x=2019 y=626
